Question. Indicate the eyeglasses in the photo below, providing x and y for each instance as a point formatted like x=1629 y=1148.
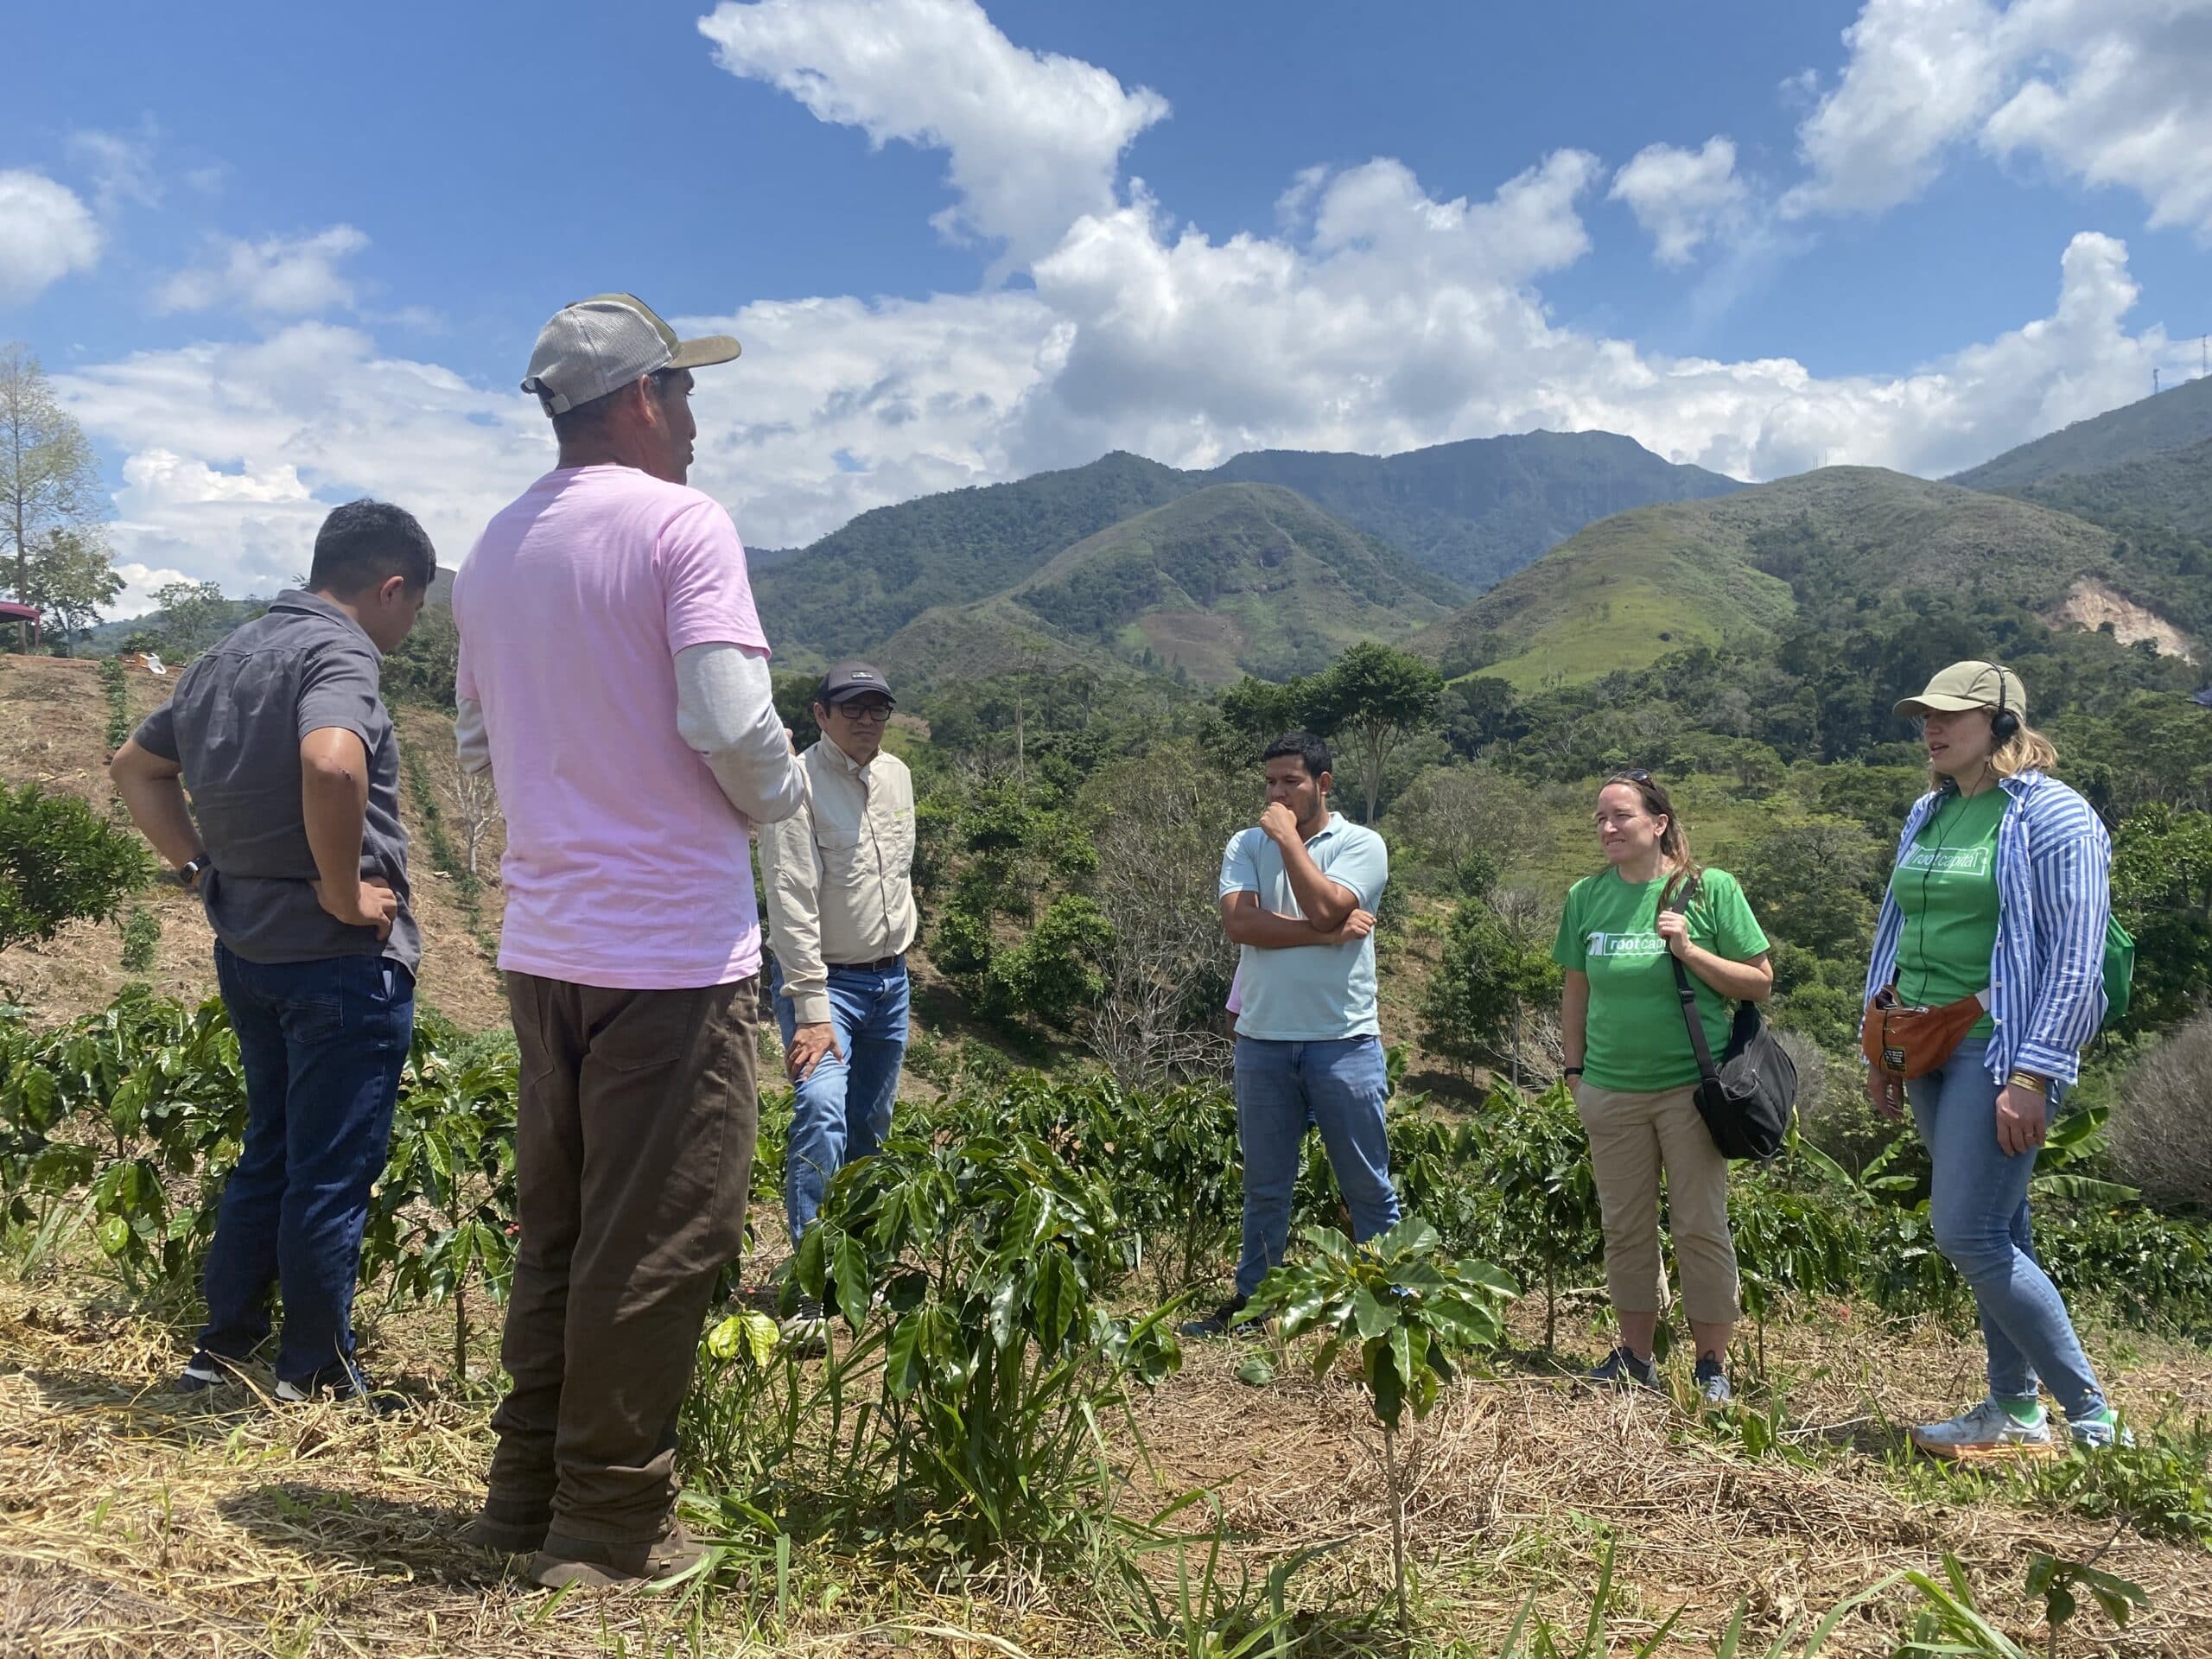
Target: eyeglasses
x=1639 y=776
x=869 y=711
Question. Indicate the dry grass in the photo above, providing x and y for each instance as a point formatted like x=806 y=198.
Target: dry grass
x=1522 y=1481
x=134 y=1522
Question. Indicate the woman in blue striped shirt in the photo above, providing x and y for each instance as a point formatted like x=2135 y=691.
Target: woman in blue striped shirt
x=1995 y=920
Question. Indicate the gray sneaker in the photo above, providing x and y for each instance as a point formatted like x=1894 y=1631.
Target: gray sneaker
x=2100 y=1433
x=1622 y=1370
x=1712 y=1382
x=1988 y=1431
x=807 y=1332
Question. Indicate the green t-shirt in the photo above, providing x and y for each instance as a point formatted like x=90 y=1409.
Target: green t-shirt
x=1946 y=884
x=1637 y=1039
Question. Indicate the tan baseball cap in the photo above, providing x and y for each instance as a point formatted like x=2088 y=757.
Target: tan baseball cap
x=1969 y=685
x=601 y=345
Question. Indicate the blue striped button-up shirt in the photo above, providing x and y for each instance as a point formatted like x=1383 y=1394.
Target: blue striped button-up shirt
x=2046 y=976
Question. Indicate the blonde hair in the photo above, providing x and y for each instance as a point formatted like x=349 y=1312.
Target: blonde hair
x=2026 y=750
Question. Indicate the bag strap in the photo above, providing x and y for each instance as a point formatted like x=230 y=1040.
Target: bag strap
x=1682 y=901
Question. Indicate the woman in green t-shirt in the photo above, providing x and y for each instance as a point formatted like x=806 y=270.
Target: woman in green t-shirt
x=1633 y=1074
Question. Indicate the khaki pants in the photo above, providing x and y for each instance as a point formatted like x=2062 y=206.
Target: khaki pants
x=1631 y=1137
x=633 y=1151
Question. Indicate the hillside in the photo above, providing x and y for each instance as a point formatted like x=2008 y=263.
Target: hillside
x=1471 y=512
x=1230 y=579
x=106 y=639
x=2172 y=490
x=52 y=714
x=2172 y=420
x=983 y=641
x=1479 y=510
x=1627 y=591
x=857 y=586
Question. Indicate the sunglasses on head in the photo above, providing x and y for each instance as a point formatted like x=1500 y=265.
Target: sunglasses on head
x=1639 y=776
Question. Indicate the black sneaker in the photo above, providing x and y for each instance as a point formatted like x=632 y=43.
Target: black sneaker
x=1712 y=1382
x=1222 y=1322
x=1622 y=1370
x=204 y=1371
x=341 y=1381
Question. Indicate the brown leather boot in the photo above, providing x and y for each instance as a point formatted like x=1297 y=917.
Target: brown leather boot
x=507 y=1528
x=597 y=1565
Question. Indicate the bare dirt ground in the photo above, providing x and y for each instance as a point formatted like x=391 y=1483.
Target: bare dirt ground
x=134 y=1522
x=53 y=714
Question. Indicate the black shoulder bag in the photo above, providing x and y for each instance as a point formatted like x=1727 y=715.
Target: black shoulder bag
x=1745 y=1100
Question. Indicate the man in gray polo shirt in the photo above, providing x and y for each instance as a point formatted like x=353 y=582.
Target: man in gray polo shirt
x=292 y=837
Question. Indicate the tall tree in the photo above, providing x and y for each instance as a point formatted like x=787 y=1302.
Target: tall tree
x=1375 y=697
x=73 y=580
x=49 y=479
x=194 y=615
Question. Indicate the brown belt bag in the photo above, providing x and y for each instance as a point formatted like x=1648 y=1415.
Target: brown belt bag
x=1906 y=1042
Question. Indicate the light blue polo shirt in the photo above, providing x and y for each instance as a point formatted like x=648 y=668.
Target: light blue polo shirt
x=1308 y=993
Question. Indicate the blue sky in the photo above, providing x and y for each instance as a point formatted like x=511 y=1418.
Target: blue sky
x=303 y=254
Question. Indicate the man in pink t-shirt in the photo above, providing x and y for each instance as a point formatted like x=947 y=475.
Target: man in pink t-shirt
x=613 y=677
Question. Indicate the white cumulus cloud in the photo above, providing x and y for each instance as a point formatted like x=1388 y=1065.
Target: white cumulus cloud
x=1033 y=139
x=236 y=450
x=45 y=232
x=1682 y=197
x=2108 y=92
x=278 y=276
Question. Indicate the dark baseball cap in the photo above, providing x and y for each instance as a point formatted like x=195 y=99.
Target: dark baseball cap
x=853 y=679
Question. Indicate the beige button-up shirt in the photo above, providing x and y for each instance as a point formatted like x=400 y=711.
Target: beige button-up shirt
x=838 y=872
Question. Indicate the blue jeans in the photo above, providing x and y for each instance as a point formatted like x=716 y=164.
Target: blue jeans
x=842 y=1109
x=1340 y=1088
x=1978 y=1208
x=322 y=1044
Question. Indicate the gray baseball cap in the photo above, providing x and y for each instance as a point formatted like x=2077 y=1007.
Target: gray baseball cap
x=601 y=345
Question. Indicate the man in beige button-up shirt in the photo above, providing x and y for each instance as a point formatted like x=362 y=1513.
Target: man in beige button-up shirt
x=840 y=915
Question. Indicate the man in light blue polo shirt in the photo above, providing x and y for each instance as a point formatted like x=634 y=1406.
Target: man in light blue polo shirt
x=1298 y=894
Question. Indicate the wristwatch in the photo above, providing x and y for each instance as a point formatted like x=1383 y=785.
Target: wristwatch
x=189 y=873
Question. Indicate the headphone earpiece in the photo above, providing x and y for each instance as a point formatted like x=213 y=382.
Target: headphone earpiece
x=2004 y=725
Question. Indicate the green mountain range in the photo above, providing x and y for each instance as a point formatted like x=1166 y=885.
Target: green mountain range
x=1479 y=510
x=1230 y=579
x=1632 y=588
x=1471 y=513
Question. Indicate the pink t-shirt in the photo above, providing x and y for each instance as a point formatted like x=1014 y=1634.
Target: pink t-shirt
x=626 y=867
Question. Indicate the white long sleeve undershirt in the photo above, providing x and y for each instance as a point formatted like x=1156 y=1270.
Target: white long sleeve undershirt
x=725 y=710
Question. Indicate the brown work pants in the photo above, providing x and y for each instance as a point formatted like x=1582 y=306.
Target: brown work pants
x=634 y=1149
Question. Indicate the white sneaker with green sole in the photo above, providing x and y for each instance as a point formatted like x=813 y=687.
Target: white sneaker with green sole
x=1987 y=1431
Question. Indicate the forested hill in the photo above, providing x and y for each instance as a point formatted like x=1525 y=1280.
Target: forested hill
x=1470 y=511
x=2152 y=426
x=2170 y=491
x=1627 y=591
x=1229 y=579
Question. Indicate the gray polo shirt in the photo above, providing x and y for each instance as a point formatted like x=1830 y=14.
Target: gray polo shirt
x=235 y=724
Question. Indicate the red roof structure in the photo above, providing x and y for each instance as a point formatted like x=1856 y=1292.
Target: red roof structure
x=12 y=612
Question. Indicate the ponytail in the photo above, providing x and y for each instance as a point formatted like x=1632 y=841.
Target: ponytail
x=1674 y=840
